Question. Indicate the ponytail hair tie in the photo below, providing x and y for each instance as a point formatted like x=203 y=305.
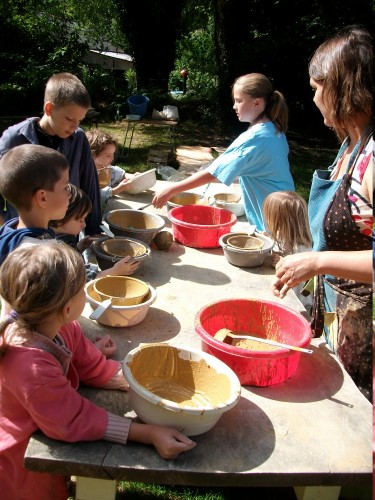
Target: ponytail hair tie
x=12 y=316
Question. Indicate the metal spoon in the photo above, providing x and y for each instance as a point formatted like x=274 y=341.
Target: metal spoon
x=101 y=309
x=270 y=342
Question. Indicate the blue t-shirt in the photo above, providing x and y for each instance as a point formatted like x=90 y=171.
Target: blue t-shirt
x=259 y=158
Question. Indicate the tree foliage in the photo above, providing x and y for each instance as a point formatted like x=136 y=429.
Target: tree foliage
x=152 y=28
x=215 y=40
x=43 y=37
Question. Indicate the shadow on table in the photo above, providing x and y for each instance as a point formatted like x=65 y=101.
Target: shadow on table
x=248 y=447
x=318 y=377
x=163 y=266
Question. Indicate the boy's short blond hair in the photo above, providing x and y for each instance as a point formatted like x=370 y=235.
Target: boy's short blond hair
x=64 y=88
x=27 y=168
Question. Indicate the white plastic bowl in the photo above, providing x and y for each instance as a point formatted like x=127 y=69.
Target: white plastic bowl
x=226 y=200
x=120 y=316
x=203 y=387
x=142 y=182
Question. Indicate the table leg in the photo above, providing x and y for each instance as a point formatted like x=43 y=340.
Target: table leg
x=88 y=488
x=317 y=492
x=131 y=125
x=171 y=138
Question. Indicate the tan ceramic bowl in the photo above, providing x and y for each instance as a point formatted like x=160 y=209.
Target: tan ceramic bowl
x=180 y=387
x=122 y=290
x=186 y=198
x=120 y=316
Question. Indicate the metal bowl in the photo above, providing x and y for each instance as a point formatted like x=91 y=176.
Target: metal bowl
x=246 y=257
x=108 y=250
x=134 y=223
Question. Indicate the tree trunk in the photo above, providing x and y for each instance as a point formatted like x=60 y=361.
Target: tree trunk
x=152 y=28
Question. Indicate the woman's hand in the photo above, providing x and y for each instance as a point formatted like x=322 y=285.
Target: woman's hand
x=292 y=270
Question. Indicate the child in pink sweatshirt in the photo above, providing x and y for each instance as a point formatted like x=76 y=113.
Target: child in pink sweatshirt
x=44 y=356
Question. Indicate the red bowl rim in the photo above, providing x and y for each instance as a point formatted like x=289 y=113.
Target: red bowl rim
x=190 y=225
x=246 y=353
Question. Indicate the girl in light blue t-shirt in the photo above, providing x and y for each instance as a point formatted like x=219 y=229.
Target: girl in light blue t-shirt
x=258 y=157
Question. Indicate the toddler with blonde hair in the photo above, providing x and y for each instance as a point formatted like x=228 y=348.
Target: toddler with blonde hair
x=285 y=215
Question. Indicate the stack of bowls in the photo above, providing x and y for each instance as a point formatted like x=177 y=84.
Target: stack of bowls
x=108 y=250
x=122 y=290
x=238 y=254
x=119 y=315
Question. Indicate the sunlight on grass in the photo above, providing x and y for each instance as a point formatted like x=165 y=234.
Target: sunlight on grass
x=307 y=153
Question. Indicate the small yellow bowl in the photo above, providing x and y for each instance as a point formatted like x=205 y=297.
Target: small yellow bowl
x=122 y=290
x=245 y=242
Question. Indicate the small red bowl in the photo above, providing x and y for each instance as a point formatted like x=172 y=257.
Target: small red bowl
x=200 y=226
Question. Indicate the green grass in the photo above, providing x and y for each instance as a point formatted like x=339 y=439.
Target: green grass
x=141 y=491
x=309 y=150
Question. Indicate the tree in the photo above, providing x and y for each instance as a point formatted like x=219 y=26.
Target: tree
x=277 y=38
x=43 y=37
x=152 y=28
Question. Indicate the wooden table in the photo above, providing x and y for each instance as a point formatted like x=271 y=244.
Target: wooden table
x=130 y=127
x=312 y=432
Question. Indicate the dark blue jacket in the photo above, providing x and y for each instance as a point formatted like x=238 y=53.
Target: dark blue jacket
x=11 y=238
x=82 y=171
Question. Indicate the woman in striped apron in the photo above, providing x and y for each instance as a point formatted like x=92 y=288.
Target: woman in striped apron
x=340 y=208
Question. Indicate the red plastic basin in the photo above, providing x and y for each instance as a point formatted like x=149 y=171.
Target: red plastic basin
x=200 y=226
x=261 y=318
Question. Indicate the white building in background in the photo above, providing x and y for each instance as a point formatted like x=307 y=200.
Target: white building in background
x=116 y=61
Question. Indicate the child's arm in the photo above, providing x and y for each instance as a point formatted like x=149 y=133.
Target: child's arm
x=123 y=267
x=169 y=442
x=121 y=186
x=85 y=243
x=106 y=345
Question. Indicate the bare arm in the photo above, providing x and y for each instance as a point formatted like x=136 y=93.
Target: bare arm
x=161 y=197
x=297 y=268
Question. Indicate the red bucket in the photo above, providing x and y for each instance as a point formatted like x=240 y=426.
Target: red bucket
x=200 y=226
x=260 y=318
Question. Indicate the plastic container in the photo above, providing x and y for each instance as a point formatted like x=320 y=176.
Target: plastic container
x=142 y=182
x=122 y=290
x=260 y=318
x=138 y=104
x=120 y=316
x=166 y=388
x=134 y=223
x=200 y=226
x=243 y=257
x=108 y=250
